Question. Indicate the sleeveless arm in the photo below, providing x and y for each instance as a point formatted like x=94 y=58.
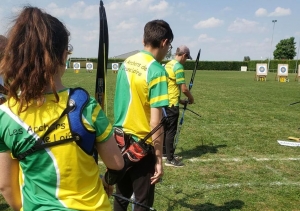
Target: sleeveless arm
x=110 y=154
x=9 y=180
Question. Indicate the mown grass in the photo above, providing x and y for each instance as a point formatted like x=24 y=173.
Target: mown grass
x=232 y=159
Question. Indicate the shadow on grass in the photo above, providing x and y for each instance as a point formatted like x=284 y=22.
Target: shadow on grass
x=227 y=206
x=200 y=150
x=3 y=206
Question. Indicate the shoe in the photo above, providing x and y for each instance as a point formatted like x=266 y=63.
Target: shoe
x=177 y=157
x=174 y=163
x=164 y=157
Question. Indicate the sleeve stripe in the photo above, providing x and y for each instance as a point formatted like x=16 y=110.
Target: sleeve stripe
x=179 y=71
x=95 y=113
x=158 y=80
x=159 y=98
x=180 y=80
x=104 y=136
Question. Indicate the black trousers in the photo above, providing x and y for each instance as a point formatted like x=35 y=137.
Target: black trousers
x=170 y=131
x=137 y=181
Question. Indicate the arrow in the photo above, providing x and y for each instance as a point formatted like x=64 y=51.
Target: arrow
x=133 y=202
x=293 y=138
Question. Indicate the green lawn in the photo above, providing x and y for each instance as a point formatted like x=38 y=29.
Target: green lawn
x=232 y=159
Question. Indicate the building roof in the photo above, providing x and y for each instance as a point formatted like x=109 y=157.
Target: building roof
x=126 y=55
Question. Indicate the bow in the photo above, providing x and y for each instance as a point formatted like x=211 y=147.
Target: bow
x=186 y=102
x=194 y=71
x=102 y=58
x=102 y=63
x=132 y=201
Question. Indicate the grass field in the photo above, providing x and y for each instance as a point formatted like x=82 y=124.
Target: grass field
x=232 y=159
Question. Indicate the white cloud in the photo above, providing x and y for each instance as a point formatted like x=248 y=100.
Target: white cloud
x=245 y=26
x=127 y=25
x=209 y=23
x=261 y=12
x=78 y=10
x=55 y=10
x=279 y=11
x=161 y=6
x=16 y=9
x=130 y=2
x=205 y=38
x=142 y=9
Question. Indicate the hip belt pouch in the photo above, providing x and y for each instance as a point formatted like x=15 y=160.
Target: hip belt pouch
x=137 y=151
x=131 y=150
x=122 y=139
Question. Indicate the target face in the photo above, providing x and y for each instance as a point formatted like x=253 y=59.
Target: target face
x=283 y=70
x=261 y=69
x=115 y=66
x=89 y=66
x=76 y=65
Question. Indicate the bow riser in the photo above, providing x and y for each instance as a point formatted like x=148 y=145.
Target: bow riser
x=102 y=58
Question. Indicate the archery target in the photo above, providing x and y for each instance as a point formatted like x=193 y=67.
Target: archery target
x=243 y=68
x=115 y=66
x=261 y=69
x=89 y=66
x=299 y=70
x=76 y=65
x=283 y=70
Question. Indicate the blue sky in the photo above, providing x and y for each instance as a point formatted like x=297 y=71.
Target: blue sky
x=223 y=29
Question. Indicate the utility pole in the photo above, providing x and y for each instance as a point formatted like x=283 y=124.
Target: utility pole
x=297 y=57
x=274 y=21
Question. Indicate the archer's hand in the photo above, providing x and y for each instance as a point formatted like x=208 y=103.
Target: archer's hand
x=191 y=100
x=157 y=174
x=108 y=188
x=183 y=102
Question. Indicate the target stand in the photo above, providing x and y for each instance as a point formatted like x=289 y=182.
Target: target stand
x=282 y=73
x=298 y=74
x=76 y=67
x=261 y=72
x=283 y=79
x=89 y=67
x=115 y=67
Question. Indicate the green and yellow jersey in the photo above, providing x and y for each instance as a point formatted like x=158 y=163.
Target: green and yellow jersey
x=141 y=85
x=61 y=177
x=176 y=77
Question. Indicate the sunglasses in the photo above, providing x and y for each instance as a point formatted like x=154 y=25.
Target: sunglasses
x=170 y=47
x=70 y=49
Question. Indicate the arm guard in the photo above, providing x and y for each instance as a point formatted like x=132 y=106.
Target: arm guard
x=113 y=176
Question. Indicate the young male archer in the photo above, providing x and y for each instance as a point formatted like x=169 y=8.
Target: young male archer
x=141 y=93
x=176 y=86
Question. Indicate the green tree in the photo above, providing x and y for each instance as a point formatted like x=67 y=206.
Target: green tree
x=246 y=58
x=285 y=49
